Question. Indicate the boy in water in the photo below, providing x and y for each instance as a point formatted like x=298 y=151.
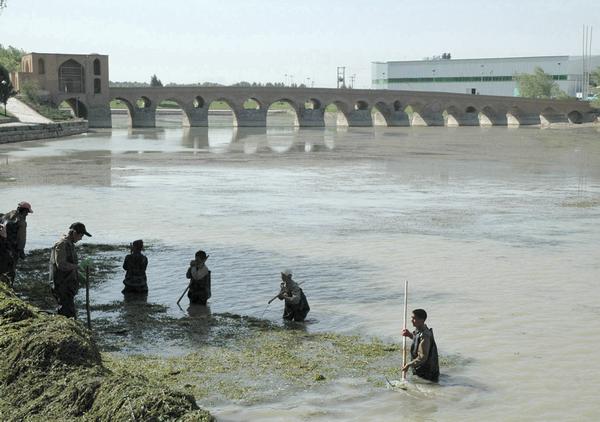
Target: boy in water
x=135 y=266
x=199 y=275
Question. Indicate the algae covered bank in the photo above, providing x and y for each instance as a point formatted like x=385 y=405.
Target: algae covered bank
x=52 y=369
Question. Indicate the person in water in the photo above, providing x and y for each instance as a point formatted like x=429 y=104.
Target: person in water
x=135 y=269
x=423 y=352
x=296 y=306
x=199 y=275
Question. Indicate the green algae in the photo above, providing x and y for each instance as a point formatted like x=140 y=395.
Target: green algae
x=260 y=359
x=52 y=369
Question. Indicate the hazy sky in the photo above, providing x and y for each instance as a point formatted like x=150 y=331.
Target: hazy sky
x=263 y=40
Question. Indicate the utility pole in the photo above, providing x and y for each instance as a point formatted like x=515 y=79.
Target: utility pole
x=352 y=78
x=341 y=77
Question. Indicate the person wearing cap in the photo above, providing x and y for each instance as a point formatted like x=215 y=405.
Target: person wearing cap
x=64 y=269
x=199 y=275
x=6 y=264
x=15 y=222
x=296 y=306
x=135 y=269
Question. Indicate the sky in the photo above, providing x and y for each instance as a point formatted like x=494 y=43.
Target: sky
x=227 y=41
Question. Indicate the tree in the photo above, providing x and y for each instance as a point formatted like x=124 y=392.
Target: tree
x=3 y=4
x=154 y=81
x=10 y=58
x=6 y=87
x=538 y=84
x=595 y=77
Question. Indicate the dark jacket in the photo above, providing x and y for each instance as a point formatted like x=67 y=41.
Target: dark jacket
x=135 y=266
x=429 y=369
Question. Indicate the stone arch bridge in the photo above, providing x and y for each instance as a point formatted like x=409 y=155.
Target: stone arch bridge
x=398 y=108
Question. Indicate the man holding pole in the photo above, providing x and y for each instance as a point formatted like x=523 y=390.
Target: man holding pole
x=64 y=269
x=423 y=352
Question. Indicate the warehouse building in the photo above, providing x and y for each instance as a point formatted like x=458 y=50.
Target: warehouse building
x=492 y=76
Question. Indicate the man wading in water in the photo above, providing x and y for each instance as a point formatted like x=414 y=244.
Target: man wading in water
x=64 y=269
x=296 y=305
x=423 y=351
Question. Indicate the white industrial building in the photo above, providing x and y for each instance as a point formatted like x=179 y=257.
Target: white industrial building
x=493 y=76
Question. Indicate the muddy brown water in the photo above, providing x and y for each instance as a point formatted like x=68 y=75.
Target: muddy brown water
x=496 y=229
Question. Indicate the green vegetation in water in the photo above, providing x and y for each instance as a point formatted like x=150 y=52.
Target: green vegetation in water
x=228 y=357
x=52 y=370
x=582 y=203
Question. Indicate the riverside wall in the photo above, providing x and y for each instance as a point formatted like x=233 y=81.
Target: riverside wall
x=32 y=131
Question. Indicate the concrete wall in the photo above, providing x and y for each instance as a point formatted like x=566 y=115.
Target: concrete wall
x=30 y=132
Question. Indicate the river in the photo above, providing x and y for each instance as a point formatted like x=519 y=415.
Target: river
x=496 y=229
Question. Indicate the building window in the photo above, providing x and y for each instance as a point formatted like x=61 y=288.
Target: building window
x=97 y=86
x=97 y=67
x=41 y=66
x=70 y=77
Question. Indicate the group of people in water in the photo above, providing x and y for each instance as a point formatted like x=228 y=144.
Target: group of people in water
x=64 y=276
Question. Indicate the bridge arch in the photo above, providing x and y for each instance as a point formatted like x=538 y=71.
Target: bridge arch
x=575 y=117
x=313 y=104
x=219 y=109
x=283 y=112
x=336 y=113
x=78 y=107
x=488 y=116
x=198 y=102
x=252 y=103
x=117 y=103
x=143 y=102
x=381 y=114
x=361 y=105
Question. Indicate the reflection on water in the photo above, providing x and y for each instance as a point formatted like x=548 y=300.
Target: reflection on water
x=497 y=231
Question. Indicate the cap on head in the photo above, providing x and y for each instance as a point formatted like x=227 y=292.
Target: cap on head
x=24 y=205
x=137 y=245
x=79 y=228
x=201 y=255
x=287 y=273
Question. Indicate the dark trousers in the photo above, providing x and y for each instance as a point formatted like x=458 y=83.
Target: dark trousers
x=64 y=292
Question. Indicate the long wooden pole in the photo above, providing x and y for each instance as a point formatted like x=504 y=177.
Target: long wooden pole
x=87 y=297
x=404 y=328
x=184 y=292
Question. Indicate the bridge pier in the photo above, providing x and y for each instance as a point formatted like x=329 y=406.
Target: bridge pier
x=398 y=118
x=311 y=118
x=522 y=119
x=462 y=119
x=547 y=119
x=143 y=117
x=427 y=118
x=99 y=116
x=251 y=118
x=488 y=118
x=359 y=118
x=195 y=116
